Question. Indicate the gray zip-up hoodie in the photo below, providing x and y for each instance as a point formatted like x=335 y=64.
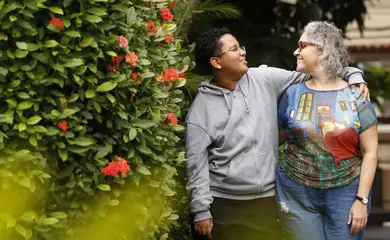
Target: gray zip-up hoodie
x=232 y=137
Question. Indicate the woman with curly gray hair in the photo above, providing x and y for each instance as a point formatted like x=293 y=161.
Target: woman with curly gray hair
x=323 y=182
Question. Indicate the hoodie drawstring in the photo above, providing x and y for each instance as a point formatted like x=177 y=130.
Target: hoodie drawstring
x=227 y=102
x=245 y=100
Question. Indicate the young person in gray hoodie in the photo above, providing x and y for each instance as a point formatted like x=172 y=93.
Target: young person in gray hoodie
x=232 y=141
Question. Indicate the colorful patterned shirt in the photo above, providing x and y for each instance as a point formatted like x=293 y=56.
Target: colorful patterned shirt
x=323 y=130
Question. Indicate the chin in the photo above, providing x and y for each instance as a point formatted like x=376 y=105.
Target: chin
x=301 y=69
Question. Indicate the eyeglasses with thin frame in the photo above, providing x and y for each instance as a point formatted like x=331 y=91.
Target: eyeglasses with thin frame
x=303 y=44
x=233 y=49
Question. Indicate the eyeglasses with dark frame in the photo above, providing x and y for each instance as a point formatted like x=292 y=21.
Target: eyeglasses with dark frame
x=303 y=44
x=233 y=49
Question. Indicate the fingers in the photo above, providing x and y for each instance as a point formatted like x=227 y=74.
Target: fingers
x=349 y=218
x=362 y=89
x=209 y=229
x=358 y=224
x=204 y=227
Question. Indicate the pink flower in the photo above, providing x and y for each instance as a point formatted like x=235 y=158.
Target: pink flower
x=123 y=42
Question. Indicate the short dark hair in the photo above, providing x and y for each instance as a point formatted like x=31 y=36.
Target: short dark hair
x=208 y=46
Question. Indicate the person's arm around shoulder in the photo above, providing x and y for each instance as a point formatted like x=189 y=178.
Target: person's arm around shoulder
x=281 y=79
x=198 y=183
x=368 y=138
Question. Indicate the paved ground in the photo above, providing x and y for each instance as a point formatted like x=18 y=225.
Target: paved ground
x=377 y=233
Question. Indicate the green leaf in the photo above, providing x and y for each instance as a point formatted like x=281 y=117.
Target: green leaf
x=34 y=120
x=104 y=187
x=113 y=202
x=106 y=87
x=86 y=42
x=3 y=71
x=132 y=134
x=147 y=75
x=110 y=98
x=92 y=18
x=72 y=34
x=75 y=62
x=131 y=17
x=28 y=216
x=21 y=45
x=111 y=53
x=97 y=11
x=104 y=151
x=33 y=141
x=160 y=95
x=90 y=93
x=67 y=112
x=24 y=24
x=50 y=221
x=31 y=47
x=59 y=215
x=143 y=170
x=22 y=127
x=25 y=182
x=144 y=62
x=21 y=53
x=21 y=230
x=56 y=10
x=11 y=221
x=63 y=154
x=66 y=3
x=50 y=43
x=143 y=123
x=24 y=105
x=82 y=141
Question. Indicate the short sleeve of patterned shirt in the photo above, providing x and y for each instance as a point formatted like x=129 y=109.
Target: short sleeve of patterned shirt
x=323 y=130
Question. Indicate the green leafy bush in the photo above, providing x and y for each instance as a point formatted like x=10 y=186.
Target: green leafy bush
x=87 y=85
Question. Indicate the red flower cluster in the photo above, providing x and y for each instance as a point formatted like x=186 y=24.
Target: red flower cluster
x=132 y=59
x=115 y=167
x=172 y=5
x=63 y=125
x=169 y=74
x=171 y=118
x=169 y=38
x=134 y=76
x=166 y=14
x=181 y=75
x=58 y=22
x=150 y=27
x=116 y=61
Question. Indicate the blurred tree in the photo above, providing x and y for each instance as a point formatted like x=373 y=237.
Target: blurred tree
x=270 y=28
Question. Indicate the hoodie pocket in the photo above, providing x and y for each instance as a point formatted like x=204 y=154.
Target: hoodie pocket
x=241 y=177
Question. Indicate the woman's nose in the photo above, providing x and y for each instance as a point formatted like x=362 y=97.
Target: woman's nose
x=296 y=52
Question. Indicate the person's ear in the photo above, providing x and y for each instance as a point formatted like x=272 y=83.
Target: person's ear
x=214 y=61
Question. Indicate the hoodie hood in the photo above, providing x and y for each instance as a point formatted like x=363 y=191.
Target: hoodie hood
x=209 y=89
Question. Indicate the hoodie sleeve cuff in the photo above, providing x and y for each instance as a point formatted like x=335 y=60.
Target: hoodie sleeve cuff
x=356 y=79
x=199 y=216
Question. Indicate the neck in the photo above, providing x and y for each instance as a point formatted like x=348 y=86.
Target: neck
x=223 y=81
x=321 y=80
